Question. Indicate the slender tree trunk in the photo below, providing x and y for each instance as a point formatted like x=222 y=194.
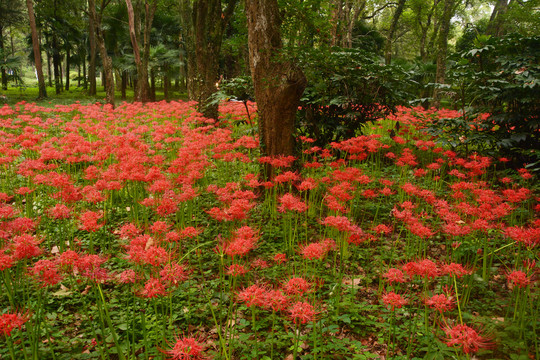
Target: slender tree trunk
x=3 y=70
x=188 y=69
x=124 y=84
x=92 y=90
x=166 y=86
x=56 y=65
x=142 y=92
x=278 y=84
x=152 y=85
x=204 y=22
x=207 y=47
x=496 y=21
x=425 y=30
x=106 y=60
x=442 y=46
x=37 y=52
x=68 y=65
x=337 y=14
x=85 y=81
x=392 y=31
x=49 y=68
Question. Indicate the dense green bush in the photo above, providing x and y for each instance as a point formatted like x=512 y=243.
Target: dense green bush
x=346 y=89
x=497 y=86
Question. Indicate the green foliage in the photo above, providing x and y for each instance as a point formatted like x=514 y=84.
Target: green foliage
x=346 y=89
x=496 y=85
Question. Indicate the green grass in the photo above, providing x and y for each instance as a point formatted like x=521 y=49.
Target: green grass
x=28 y=92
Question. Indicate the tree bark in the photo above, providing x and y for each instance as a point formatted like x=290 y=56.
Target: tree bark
x=3 y=70
x=496 y=21
x=37 y=52
x=92 y=90
x=425 y=29
x=124 y=84
x=392 y=31
x=442 y=46
x=204 y=35
x=278 y=84
x=142 y=92
x=106 y=60
x=68 y=65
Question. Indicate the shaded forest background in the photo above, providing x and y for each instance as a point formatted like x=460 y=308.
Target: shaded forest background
x=346 y=62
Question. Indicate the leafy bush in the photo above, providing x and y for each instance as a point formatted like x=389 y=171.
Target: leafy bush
x=346 y=89
x=497 y=87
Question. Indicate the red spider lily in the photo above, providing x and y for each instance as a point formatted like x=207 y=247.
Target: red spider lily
x=22 y=225
x=466 y=338
x=454 y=269
x=297 y=286
x=45 y=272
x=340 y=223
x=525 y=174
x=6 y=260
x=518 y=278
x=89 y=221
x=440 y=303
x=275 y=300
x=153 y=288
x=307 y=184
x=528 y=236
x=254 y=295
x=26 y=246
x=173 y=274
x=236 y=270
x=342 y=192
x=425 y=268
x=393 y=300
x=185 y=348
x=302 y=312
x=278 y=162
x=59 y=211
x=10 y=321
x=90 y=267
x=313 y=251
x=244 y=240
x=280 y=258
x=190 y=232
x=394 y=275
x=290 y=202
x=159 y=227
x=128 y=276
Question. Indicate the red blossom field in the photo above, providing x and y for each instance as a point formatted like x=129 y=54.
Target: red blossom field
x=148 y=232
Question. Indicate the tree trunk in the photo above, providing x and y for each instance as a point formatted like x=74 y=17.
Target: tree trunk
x=152 y=85
x=106 y=60
x=205 y=24
x=278 y=84
x=56 y=65
x=142 y=92
x=85 y=81
x=49 y=71
x=496 y=21
x=425 y=30
x=37 y=52
x=166 y=86
x=442 y=46
x=3 y=70
x=92 y=90
x=208 y=35
x=124 y=84
x=67 y=67
x=337 y=11
x=392 y=31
